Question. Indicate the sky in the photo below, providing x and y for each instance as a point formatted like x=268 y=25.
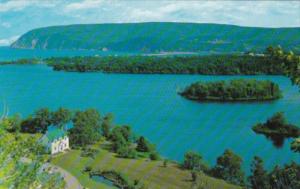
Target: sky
x=19 y=16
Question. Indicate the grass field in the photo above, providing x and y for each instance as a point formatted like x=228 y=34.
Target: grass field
x=151 y=173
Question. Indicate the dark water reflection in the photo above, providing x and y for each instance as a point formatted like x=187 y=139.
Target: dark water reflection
x=277 y=140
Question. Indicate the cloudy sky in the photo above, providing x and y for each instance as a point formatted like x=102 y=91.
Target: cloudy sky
x=19 y=16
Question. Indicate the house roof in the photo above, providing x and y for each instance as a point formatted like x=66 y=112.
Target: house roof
x=55 y=133
x=52 y=134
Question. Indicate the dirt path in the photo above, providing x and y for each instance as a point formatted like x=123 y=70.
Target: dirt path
x=71 y=181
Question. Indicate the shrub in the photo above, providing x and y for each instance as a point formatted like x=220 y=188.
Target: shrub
x=154 y=156
x=87 y=169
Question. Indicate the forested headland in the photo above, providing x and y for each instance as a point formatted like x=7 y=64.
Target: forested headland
x=159 y=37
x=206 y=65
x=233 y=90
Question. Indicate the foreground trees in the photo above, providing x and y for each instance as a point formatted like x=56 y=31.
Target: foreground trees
x=143 y=145
x=86 y=128
x=107 y=125
x=259 y=178
x=125 y=145
x=194 y=161
x=284 y=177
x=234 y=90
x=290 y=62
x=61 y=117
x=229 y=168
x=121 y=138
x=21 y=162
x=43 y=118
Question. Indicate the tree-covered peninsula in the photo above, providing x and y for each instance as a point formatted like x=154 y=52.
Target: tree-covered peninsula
x=233 y=90
x=277 y=125
x=206 y=65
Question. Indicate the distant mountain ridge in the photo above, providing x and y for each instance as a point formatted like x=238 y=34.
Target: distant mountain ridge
x=160 y=37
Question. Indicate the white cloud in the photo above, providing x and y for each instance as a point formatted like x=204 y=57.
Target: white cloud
x=61 y=12
x=8 y=41
x=13 y=5
x=83 y=5
x=248 y=13
x=18 y=5
x=5 y=24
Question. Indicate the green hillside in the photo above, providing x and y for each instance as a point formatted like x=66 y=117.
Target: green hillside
x=159 y=37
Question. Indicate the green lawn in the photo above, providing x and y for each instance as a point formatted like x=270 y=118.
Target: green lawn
x=151 y=173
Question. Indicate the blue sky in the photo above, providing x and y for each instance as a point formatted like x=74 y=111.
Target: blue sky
x=20 y=16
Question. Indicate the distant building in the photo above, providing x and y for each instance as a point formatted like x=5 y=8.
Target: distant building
x=255 y=54
x=55 y=140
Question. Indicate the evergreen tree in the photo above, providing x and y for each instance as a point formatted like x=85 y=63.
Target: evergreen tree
x=259 y=176
x=143 y=145
x=107 y=125
x=228 y=167
x=192 y=161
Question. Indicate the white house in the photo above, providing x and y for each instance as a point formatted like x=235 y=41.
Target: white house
x=55 y=140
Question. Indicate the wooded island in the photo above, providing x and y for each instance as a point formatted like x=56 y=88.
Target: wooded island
x=234 y=90
x=277 y=125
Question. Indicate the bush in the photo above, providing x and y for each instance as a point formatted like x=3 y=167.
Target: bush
x=127 y=152
x=118 y=179
x=154 y=156
x=165 y=163
x=194 y=175
x=89 y=152
x=193 y=161
x=144 y=145
x=87 y=169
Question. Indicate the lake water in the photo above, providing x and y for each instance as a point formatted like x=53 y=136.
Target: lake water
x=103 y=180
x=150 y=104
x=7 y=53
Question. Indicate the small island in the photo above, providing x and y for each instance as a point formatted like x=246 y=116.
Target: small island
x=277 y=126
x=234 y=90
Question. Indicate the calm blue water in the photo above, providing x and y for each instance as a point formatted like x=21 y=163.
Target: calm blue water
x=104 y=181
x=7 y=53
x=150 y=104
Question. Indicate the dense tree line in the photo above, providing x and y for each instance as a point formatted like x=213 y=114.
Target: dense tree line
x=209 y=65
x=290 y=62
x=126 y=145
x=22 y=61
x=229 y=168
x=234 y=90
x=88 y=127
x=287 y=176
x=42 y=119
